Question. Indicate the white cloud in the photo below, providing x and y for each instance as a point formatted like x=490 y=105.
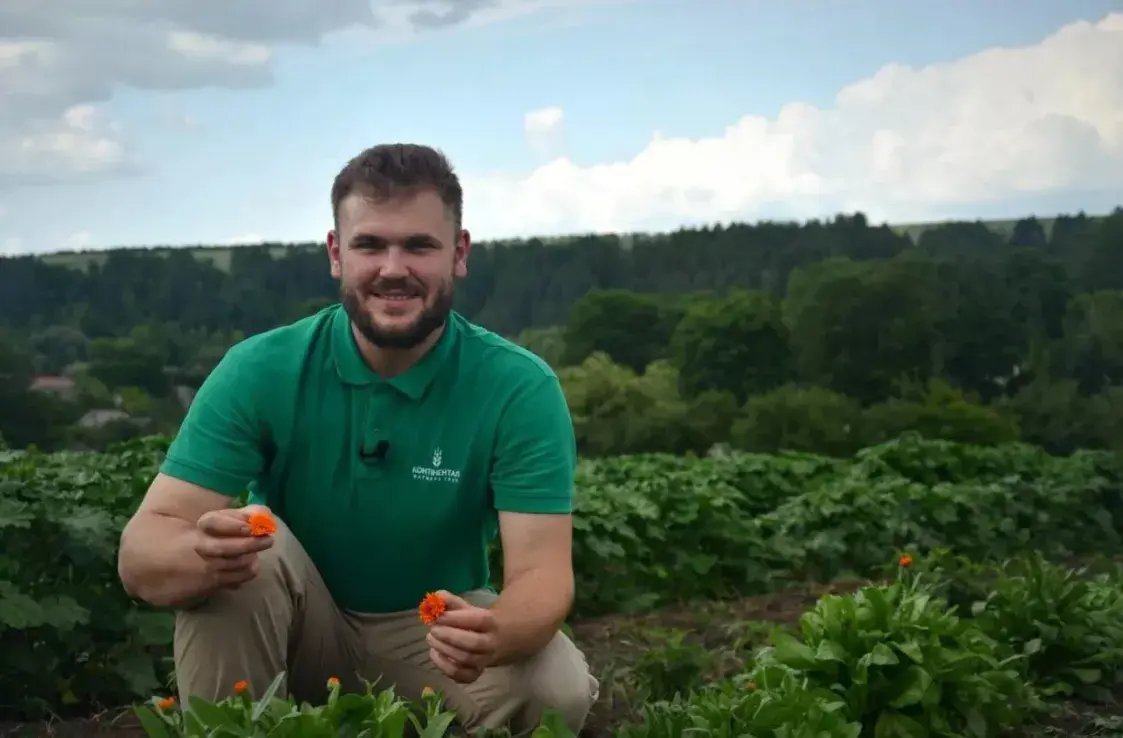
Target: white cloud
x=904 y=144
x=12 y=246
x=207 y=47
x=66 y=55
x=77 y=241
x=245 y=238
x=545 y=128
x=79 y=143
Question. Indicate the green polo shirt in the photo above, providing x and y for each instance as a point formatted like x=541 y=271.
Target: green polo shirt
x=295 y=416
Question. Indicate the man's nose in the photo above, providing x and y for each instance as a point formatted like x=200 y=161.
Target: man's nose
x=395 y=263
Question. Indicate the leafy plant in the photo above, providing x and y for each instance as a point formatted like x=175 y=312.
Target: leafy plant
x=1069 y=627
x=904 y=664
x=672 y=665
x=373 y=714
x=777 y=703
x=70 y=636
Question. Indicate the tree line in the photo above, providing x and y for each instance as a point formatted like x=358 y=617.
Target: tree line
x=822 y=336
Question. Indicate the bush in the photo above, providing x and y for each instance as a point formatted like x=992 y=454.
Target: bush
x=797 y=418
x=70 y=636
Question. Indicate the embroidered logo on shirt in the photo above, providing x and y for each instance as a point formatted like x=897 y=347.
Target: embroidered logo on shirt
x=435 y=473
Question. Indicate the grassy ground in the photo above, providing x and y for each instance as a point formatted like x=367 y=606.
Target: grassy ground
x=644 y=657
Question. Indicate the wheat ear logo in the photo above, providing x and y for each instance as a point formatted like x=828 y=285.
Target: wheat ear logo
x=437 y=458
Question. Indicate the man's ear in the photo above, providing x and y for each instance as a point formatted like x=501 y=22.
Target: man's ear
x=333 y=254
x=463 y=248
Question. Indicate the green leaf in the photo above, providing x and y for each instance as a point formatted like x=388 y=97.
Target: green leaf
x=976 y=723
x=911 y=649
x=1088 y=676
x=209 y=714
x=263 y=702
x=882 y=655
x=153 y=628
x=138 y=671
x=19 y=611
x=896 y=725
x=154 y=726
x=828 y=650
x=438 y=726
x=63 y=612
x=913 y=686
x=792 y=652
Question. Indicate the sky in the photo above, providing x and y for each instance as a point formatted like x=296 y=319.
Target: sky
x=184 y=122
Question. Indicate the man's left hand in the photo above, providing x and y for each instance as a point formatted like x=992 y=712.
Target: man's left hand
x=464 y=641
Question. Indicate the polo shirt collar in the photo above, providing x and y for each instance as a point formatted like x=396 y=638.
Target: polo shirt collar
x=413 y=382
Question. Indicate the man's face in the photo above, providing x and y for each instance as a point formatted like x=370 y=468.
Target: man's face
x=396 y=262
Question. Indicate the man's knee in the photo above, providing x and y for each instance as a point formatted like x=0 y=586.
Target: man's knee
x=561 y=681
x=277 y=581
x=518 y=696
x=241 y=633
x=572 y=698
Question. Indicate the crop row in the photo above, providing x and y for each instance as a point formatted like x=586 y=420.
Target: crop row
x=650 y=530
x=900 y=659
x=892 y=659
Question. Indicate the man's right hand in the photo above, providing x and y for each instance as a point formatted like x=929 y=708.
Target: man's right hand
x=227 y=548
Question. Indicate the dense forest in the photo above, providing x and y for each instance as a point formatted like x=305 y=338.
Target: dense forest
x=821 y=336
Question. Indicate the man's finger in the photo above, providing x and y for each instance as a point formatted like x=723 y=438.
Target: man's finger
x=232 y=564
x=468 y=641
x=470 y=618
x=231 y=548
x=458 y=673
x=442 y=662
x=452 y=653
x=452 y=602
x=225 y=524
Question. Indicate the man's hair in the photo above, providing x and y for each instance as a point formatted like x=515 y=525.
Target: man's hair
x=391 y=170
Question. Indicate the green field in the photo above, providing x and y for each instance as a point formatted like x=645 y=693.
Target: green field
x=220 y=255
x=765 y=591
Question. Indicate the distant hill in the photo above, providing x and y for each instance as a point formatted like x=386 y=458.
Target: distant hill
x=220 y=255
x=1001 y=227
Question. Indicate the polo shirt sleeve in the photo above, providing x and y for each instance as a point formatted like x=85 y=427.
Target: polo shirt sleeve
x=536 y=451
x=220 y=444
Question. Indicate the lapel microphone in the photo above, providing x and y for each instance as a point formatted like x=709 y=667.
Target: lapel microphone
x=378 y=453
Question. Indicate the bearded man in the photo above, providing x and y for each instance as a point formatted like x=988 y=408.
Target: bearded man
x=390 y=438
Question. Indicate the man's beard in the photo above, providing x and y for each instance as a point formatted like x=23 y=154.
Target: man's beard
x=431 y=318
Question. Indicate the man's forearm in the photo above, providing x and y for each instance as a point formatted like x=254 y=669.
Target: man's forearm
x=529 y=612
x=157 y=562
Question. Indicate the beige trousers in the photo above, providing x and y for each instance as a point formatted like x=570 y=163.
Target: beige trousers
x=285 y=620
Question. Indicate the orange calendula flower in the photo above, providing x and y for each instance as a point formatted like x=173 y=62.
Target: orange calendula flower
x=262 y=524
x=432 y=607
x=427 y=692
x=166 y=704
x=905 y=561
x=333 y=682
x=241 y=686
